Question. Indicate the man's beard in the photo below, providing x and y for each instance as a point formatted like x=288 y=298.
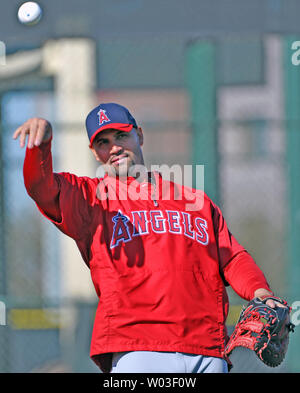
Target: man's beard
x=128 y=169
x=121 y=170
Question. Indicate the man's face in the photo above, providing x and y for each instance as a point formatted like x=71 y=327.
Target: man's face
x=119 y=150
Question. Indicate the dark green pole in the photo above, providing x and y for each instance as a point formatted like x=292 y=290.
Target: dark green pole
x=201 y=87
x=2 y=250
x=292 y=115
x=4 y=334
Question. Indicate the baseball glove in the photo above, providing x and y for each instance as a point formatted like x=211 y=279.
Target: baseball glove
x=263 y=329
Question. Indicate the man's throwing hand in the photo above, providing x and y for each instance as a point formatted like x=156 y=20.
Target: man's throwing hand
x=38 y=130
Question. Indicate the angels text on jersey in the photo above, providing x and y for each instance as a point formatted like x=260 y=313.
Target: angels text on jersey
x=143 y=222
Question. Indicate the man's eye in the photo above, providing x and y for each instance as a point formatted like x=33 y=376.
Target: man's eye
x=120 y=136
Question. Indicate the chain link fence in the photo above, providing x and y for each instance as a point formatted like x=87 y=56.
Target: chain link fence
x=46 y=329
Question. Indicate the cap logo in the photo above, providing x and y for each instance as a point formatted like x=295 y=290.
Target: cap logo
x=102 y=117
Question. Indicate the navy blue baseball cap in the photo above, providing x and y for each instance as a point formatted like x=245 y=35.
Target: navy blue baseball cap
x=106 y=116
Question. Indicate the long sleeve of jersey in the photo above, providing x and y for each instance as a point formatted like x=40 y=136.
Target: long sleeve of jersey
x=237 y=266
x=63 y=198
x=39 y=180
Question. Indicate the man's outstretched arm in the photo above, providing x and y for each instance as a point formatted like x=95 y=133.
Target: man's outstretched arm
x=39 y=180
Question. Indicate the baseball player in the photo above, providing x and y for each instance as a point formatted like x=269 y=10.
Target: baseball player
x=160 y=271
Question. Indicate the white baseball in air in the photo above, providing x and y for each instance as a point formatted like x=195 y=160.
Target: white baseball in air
x=29 y=13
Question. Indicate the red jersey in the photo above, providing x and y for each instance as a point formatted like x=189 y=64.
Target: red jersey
x=158 y=268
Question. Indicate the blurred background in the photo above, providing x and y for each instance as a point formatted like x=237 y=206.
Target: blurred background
x=210 y=83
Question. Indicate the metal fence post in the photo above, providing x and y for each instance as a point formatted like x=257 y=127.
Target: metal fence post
x=292 y=116
x=201 y=86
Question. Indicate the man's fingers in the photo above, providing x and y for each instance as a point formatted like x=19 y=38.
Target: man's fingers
x=38 y=130
x=23 y=133
x=39 y=136
x=42 y=132
x=32 y=133
x=20 y=132
x=17 y=132
x=273 y=304
x=280 y=305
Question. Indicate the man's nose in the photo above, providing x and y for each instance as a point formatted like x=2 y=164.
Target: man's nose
x=115 y=148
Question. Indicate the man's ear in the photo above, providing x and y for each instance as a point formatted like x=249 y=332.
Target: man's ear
x=95 y=153
x=139 y=132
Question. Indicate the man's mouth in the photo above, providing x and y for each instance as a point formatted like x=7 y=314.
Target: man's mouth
x=118 y=159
